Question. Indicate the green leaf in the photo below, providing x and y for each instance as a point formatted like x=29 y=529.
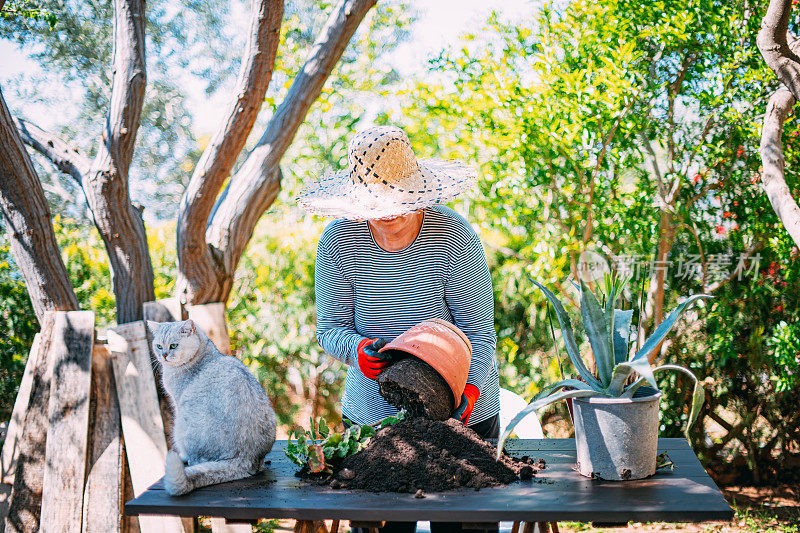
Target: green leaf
x=313 y=429
x=367 y=431
x=550 y=389
x=538 y=404
x=698 y=394
x=618 y=378
x=324 y=430
x=642 y=367
x=597 y=329
x=661 y=331
x=392 y=420
x=329 y=451
x=342 y=448
x=622 y=333
x=569 y=337
x=352 y=433
x=316 y=458
x=353 y=447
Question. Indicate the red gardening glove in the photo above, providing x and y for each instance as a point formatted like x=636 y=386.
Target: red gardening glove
x=468 y=399
x=370 y=361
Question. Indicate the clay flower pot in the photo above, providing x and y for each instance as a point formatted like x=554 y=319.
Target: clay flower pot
x=443 y=346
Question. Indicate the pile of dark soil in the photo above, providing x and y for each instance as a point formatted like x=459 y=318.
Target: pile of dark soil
x=413 y=385
x=418 y=455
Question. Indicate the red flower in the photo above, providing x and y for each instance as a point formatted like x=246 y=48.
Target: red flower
x=727 y=214
x=736 y=202
x=697 y=177
x=740 y=152
x=778 y=308
x=720 y=230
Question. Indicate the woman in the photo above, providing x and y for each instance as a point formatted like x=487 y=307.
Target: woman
x=394 y=258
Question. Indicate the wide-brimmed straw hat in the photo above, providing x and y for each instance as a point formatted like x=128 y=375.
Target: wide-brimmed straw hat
x=384 y=178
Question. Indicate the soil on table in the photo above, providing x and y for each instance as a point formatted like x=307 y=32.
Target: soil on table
x=418 y=455
x=414 y=385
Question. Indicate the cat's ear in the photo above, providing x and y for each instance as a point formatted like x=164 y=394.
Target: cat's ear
x=152 y=326
x=188 y=328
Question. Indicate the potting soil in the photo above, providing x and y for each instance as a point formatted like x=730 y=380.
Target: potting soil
x=414 y=385
x=418 y=454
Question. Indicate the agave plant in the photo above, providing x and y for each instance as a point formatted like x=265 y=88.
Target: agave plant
x=608 y=330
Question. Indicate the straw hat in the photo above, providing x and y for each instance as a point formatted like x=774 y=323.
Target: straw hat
x=384 y=178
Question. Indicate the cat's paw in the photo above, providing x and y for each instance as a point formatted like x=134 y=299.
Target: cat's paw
x=175 y=480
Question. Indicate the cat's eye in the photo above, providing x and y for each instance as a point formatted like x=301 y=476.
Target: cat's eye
x=173 y=346
x=158 y=346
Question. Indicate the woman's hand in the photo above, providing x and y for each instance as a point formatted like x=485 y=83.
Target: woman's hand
x=371 y=362
x=468 y=399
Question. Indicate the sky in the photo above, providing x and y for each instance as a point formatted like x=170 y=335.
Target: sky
x=439 y=23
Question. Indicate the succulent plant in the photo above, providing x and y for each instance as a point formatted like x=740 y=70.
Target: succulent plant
x=608 y=331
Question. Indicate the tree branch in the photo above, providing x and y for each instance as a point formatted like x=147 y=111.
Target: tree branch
x=773 y=162
x=220 y=155
x=257 y=183
x=66 y=158
x=106 y=184
x=673 y=90
x=26 y=217
x=709 y=289
x=773 y=44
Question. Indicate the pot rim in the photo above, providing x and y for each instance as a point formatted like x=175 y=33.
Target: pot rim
x=606 y=400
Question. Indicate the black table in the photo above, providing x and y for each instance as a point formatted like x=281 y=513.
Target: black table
x=558 y=493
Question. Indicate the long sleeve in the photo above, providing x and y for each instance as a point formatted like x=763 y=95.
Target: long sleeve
x=469 y=296
x=336 y=331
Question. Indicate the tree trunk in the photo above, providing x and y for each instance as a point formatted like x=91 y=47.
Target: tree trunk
x=254 y=187
x=773 y=163
x=198 y=265
x=773 y=43
x=26 y=217
x=655 y=293
x=106 y=184
x=105 y=180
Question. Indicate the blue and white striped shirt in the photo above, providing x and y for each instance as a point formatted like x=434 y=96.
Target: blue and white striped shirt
x=364 y=291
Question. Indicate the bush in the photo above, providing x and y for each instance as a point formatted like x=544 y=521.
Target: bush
x=18 y=324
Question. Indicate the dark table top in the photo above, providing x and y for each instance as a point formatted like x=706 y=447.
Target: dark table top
x=558 y=493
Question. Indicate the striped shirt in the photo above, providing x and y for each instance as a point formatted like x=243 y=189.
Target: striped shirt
x=364 y=291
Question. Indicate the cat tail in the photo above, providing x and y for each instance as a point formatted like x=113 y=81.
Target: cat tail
x=181 y=479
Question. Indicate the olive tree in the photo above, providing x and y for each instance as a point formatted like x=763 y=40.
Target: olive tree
x=214 y=225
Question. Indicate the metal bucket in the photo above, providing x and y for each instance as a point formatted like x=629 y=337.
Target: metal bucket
x=617 y=438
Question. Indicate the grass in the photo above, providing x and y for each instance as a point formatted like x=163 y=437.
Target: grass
x=746 y=520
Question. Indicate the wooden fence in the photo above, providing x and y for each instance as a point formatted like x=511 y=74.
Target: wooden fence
x=90 y=427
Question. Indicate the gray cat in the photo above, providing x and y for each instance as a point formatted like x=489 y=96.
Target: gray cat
x=224 y=423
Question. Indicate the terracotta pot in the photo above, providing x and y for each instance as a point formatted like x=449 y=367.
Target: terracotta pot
x=443 y=346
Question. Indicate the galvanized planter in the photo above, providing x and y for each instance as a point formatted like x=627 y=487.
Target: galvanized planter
x=617 y=438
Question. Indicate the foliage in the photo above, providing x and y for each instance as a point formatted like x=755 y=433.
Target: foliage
x=272 y=314
x=19 y=325
x=577 y=118
x=608 y=330
x=319 y=449
x=193 y=47
x=28 y=11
